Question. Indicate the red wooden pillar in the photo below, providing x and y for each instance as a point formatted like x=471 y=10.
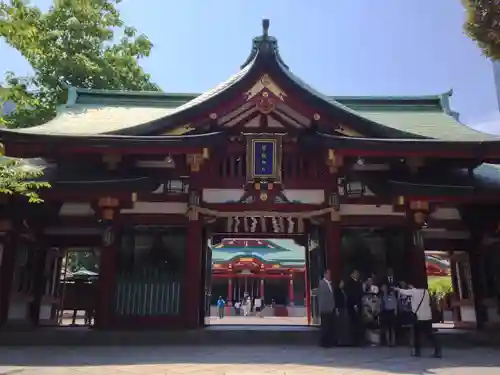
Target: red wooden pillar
x=262 y=289
x=333 y=253
x=291 y=294
x=7 y=261
x=307 y=302
x=229 y=295
x=229 y=290
x=39 y=280
x=105 y=294
x=192 y=288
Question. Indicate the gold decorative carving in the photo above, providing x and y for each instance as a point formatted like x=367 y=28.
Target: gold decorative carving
x=316 y=117
x=265 y=82
x=334 y=161
x=263 y=196
x=213 y=116
x=400 y=200
x=194 y=161
x=186 y=128
x=347 y=131
x=206 y=153
x=111 y=160
x=133 y=198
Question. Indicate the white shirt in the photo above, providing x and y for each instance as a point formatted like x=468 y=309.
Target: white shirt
x=329 y=283
x=424 y=311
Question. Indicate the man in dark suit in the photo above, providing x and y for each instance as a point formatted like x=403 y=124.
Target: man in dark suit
x=354 y=294
x=327 y=310
x=389 y=279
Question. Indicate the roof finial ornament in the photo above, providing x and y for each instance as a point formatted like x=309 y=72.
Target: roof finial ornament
x=265 y=28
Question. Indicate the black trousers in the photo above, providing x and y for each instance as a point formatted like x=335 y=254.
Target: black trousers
x=357 y=327
x=423 y=329
x=327 y=334
x=220 y=312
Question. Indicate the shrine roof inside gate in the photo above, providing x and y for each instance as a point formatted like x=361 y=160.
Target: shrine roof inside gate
x=282 y=252
x=118 y=116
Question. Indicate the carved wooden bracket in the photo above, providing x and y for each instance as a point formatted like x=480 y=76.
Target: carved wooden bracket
x=420 y=211
x=112 y=160
x=195 y=161
x=414 y=163
x=108 y=207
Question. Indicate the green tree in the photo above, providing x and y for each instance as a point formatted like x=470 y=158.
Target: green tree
x=81 y=43
x=20 y=178
x=483 y=25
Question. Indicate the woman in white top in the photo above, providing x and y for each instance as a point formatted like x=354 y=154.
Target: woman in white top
x=422 y=325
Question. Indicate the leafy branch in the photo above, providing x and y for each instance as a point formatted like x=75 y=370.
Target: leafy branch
x=19 y=178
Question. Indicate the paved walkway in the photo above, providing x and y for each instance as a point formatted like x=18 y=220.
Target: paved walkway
x=241 y=360
x=255 y=320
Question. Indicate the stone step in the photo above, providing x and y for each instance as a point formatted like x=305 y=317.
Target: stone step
x=212 y=335
x=226 y=335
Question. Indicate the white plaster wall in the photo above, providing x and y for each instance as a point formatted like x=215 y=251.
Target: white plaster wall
x=307 y=196
x=446 y=214
x=18 y=311
x=221 y=195
x=45 y=310
x=468 y=314
x=76 y=209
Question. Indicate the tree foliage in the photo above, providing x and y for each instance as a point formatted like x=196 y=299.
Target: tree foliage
x=483 y=25
x=80 y=43
x=18 y=178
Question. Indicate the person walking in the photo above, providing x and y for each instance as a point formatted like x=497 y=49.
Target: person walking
x=422 y=320
x=258 y=306
x=326 y=301
x=247 y=304
x=220 y=307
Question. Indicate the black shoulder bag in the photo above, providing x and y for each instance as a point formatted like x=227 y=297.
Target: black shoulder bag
x=415 y=317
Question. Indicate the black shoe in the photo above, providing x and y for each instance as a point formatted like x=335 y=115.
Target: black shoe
x=416 y=354
x=437 y=354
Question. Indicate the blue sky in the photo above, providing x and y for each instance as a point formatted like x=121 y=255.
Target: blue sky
x=354 y=47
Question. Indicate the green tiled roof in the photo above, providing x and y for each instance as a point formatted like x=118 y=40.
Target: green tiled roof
x=426 y=123
x=101 y=112
x=284 y=252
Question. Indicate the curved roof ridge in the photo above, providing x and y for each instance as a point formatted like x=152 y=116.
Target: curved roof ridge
x=389 y=97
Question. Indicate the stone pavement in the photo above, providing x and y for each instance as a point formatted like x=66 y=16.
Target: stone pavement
x=255 y=320
x=241 y=360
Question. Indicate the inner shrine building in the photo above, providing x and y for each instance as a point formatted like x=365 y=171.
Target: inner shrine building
x=145 y=180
